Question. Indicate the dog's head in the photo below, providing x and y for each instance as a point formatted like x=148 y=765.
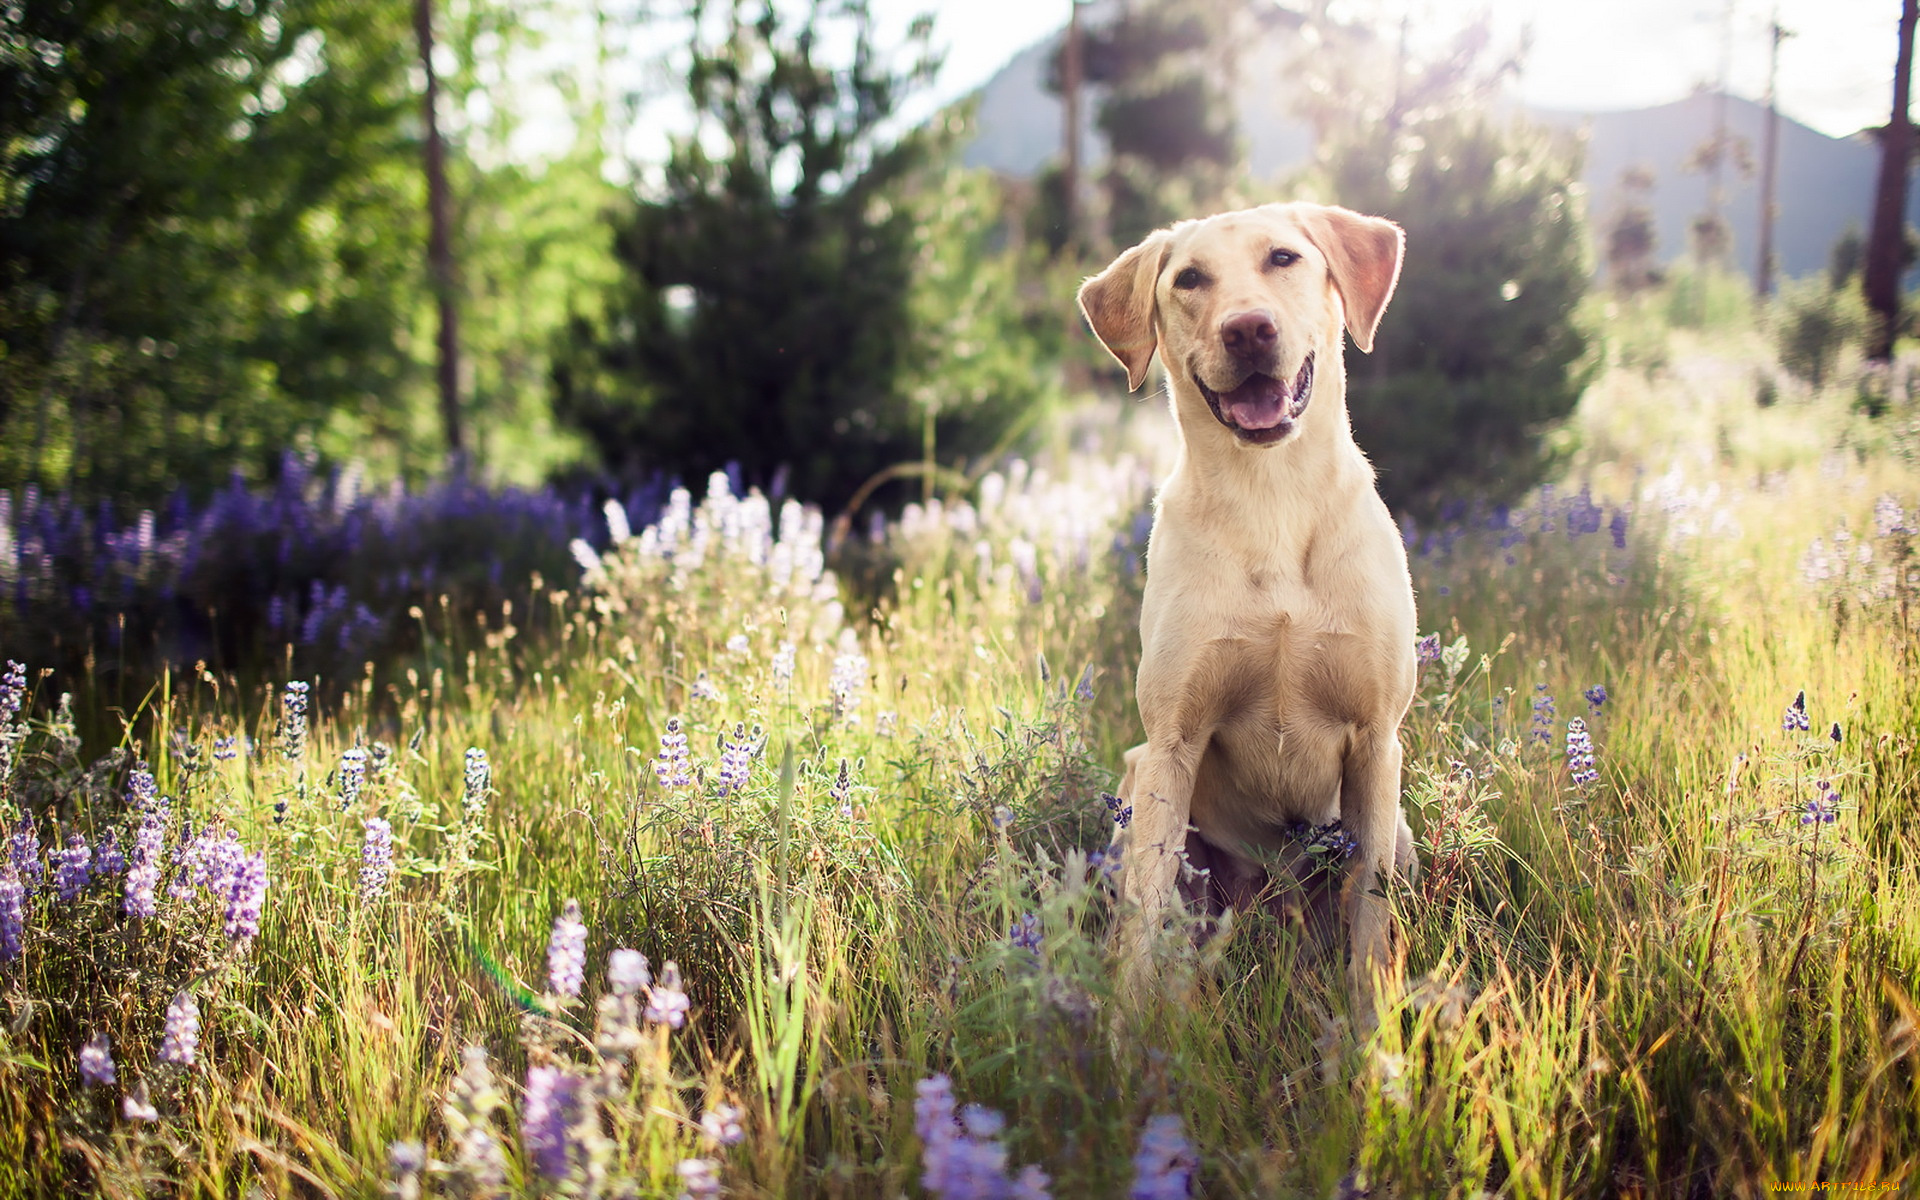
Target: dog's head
x=1244 y=303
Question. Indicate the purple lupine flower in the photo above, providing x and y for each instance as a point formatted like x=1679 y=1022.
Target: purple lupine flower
x=738 y=644
x=1427 y=649
x=1822 y=809
x=736 y=761
x=849 y=679
x=721 y=1125
x=353 y=776
x=107 y=859
x=23 y=850
x=134 y=1106
x=1795 y=720
x=96 y=1061
x=1119 y=809
x=405 y=1162
x=215 y=869
x=1163 y=1166
x=1025 y=933
x=1596 y=696
x=1083 y=691
x=547 y=1117
x=885 y=722
x=933 y=1120
x=840 y=791
x=567 y=952
x=703 y=688
x=143 y=875
x=783 y=665
x=293 y=720
x=627 y=972
x=181 y=1039
x=1543 y=721
x=1833 y=734
x=673 y=766
x=13 y=692
x=226 y=749
x=1031 y=1184
x=189 y=853
x=699 y=1178
x=477 y=781
x=246 y=896
x=960 y=1152
x=72 y=868
x=13 y=912
x=376 y=858
x=667 y=1002
x=1580 y=754
x=142 y=791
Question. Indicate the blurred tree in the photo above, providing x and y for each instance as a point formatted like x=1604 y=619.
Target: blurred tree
x=1631 y=234
x=202 y=214
x=1480 y=353
x=770 y=311
x=1886 y=247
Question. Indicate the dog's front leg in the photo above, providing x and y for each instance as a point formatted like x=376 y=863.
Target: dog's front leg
x=1370 y=813
x=1162 y=800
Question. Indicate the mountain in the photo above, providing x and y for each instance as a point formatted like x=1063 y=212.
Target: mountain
x=1824 y=184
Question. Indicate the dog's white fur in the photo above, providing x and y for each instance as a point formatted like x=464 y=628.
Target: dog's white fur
x=1277 y=629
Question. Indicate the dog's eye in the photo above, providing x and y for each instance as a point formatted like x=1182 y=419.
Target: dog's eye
x=1189 y=279
x=1283 y=258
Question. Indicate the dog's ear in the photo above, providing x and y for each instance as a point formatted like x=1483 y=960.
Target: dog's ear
x=1118 y=304
x=1363 y=255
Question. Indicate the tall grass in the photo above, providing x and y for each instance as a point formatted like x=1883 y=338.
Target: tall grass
x=886 y=856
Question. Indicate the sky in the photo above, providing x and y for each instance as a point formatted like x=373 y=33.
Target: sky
x=1836 y=67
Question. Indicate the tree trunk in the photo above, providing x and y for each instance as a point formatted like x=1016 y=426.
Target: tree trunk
x=1886 y=244
x=440 y=246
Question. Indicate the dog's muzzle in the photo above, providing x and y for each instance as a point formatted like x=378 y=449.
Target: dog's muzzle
x=1262 y=410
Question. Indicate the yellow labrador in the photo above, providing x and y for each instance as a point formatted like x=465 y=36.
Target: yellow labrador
x=1277 y=632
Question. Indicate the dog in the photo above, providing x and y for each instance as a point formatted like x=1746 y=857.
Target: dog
x=1277 y=628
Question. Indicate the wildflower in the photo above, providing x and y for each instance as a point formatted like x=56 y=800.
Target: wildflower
x=738 y=644
x=1083 y=691
x=226 y=749
x=479 y=1167
x=143 y=876
x=293 y=721
x=627 y=972
x=72 y=867
x=848 y=680
x=1596 y=696
x=673 y=766
x=1163 y=1167
x=142 y=791
x=1834 y=733
x=478 y=780
x=885 y=723
x=567 y=952
x=551 y=1097
x=1888 y=518
x=1025 y=933
x=134 y=1106
x=246 y=895
x=13 y=692
x=699 y=1178
x=1427 y=649
x=353 y=776
x=23 y=850
x=721 y=1125
x=13 y=912
x=1822 y=809
x=1121 y=811
x=1030 y=1184
x=783 y=665
x=1795 y=719
x=840 y=791
x=736 y=761
x=1618 y=528
x=181 y=1039
x=1580 y=754
x=107 y=859
x=703 y=688
x=960 y=1153
x=1543 y=722
x=96 y=1061
x=405 y=1162
x=376 y=858
x=667 y=1003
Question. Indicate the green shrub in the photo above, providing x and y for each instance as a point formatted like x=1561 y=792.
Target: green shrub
x=1812 y=322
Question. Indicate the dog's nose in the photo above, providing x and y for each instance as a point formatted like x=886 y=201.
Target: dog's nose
x=1249 y=334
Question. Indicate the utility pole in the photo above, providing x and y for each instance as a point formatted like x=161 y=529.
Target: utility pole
x=1070 y=72
x=1885 y=243
x=1769 y=164
x=440 y=246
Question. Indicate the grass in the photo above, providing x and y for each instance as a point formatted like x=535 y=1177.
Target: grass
x=1662 y=984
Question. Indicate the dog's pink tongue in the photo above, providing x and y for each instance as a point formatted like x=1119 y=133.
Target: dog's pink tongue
x=1259 y=403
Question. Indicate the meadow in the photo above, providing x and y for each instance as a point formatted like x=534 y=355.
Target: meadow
x=727 y=873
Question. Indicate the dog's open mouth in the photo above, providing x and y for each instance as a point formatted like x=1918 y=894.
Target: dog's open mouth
x=1262 y=410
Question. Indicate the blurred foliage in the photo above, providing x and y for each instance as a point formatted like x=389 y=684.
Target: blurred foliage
x=1481 y=352
x=804 y=291
x=1812 y=322
x=1631 y=237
